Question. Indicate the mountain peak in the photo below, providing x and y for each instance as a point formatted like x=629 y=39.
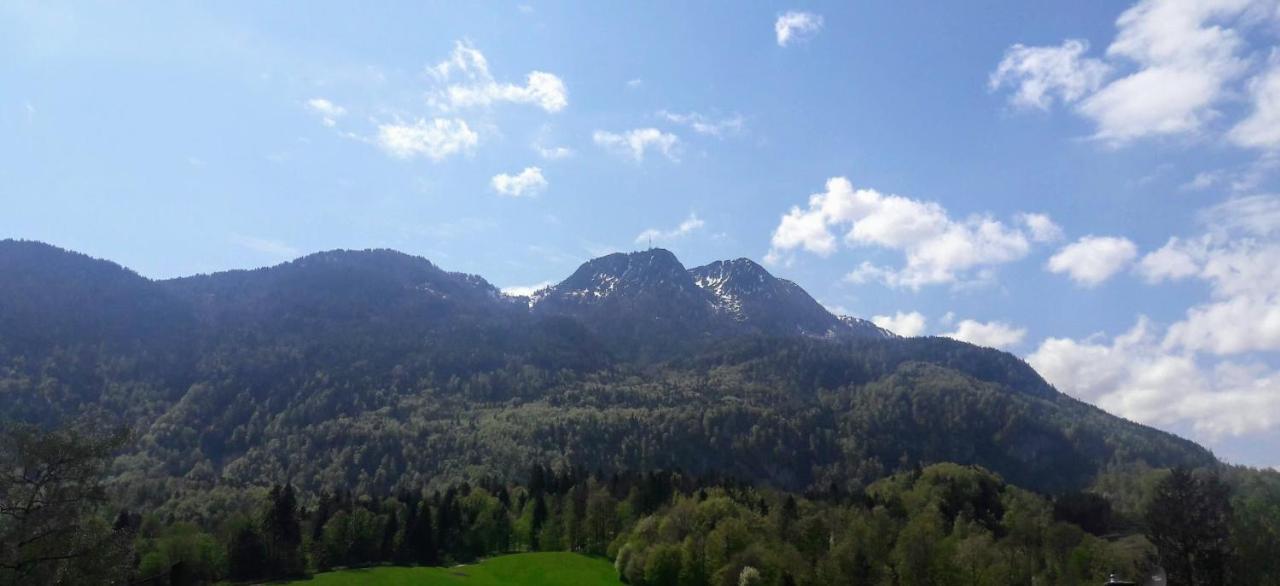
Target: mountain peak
x=646 y=271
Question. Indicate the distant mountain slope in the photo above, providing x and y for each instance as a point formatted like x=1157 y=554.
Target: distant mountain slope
x=52 y=296
x=375 y=369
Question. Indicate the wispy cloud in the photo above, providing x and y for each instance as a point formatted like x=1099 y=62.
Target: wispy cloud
x=635 y=143
x=703 y=124
x=329 y=112
x=796 y=26
x=469 y=83
x=273 y=248
x=688 y=226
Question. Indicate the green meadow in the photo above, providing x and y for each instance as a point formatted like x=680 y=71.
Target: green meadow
x=522 y=569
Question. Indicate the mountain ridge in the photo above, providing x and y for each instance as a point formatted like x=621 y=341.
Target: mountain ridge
x=380 y=369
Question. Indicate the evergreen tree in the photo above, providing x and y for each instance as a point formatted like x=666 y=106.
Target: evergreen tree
x=1188 y=520
x=246 y=553
x=282 y=532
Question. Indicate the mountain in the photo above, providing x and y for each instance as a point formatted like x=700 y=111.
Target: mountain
x=635 y=299
x=746 y=293
x=375 y=370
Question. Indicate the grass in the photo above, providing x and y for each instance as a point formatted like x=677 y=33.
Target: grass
x=521 y=569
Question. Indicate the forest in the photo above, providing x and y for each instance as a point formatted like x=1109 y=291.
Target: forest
x=940 y=524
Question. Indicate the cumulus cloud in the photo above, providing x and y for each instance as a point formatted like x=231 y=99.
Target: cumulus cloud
x=1093 y=259
x=1135 y=376
x=1208 y=369
x=993 y=334
x=1040 y=74
x=903 y=324
x=796 y=26
x=688 y=226
x=1177 y=60
x=526 y=183
x=469 y=83
x=1238 y=256
x=635 y=143
x=703 y=124
x=936 y=247
x=329 y=112
x=435 y=139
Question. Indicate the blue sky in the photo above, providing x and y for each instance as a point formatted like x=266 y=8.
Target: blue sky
x=1090 y=185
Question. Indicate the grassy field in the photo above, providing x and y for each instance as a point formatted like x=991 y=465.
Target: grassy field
x=522 y=569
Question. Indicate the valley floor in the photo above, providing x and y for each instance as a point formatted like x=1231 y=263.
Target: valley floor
x=522 y=569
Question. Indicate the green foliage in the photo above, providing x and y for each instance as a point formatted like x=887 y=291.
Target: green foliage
x=50 y=495
x=945 y=524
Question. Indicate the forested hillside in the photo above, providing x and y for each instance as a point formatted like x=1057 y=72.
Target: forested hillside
x=375 y=371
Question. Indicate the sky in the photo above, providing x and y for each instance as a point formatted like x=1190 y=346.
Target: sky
x=1093 y=186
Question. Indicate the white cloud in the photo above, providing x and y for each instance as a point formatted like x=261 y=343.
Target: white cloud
x=1176 y=260
x=1203 y=180
x=903 y=324
x=1093 y=259
x=937 y=248
x=526 y=290
x=1042 y=227
x=328 y=111
x=265 y=246
x=703 y=124
x=688 y=226
x=526 y=183
x=435 y=140
x=635 y=143
x=1134 y=376
x=634 y=83
x=1180 y=58
x=469 y=83
x=796 y=26
x=1040 y=73
x=994 y=334
x=554 y=153
x=1261 y=129
x=1238 y=256
x=1210 y=369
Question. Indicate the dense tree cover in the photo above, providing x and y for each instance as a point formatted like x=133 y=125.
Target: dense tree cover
x=942 y=524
